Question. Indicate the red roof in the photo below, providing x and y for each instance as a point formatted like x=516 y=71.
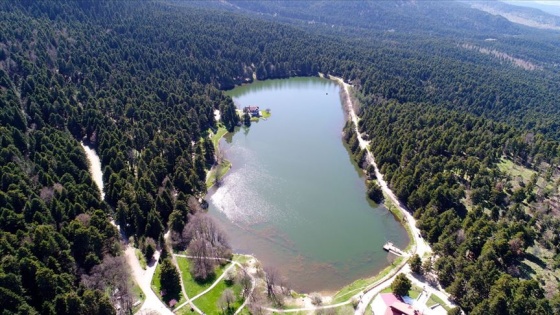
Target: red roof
x=400 y=308
x=395 y=306
x=389 y=298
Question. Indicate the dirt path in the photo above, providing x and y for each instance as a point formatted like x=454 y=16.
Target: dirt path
x=306 y=309
x=94 y=168
x=144 y=280
x=142 y=277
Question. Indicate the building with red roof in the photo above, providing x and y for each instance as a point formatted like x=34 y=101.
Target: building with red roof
x=390 y=304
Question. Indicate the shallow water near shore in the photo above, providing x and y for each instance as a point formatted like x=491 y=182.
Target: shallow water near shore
x=293 y=197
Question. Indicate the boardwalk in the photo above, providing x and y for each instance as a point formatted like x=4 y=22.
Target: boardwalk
x=393 y=249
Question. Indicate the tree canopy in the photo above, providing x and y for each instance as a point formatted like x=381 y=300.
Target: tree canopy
x=140 y=81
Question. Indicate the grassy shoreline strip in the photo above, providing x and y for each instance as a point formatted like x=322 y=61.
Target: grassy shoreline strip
x=222 y=168
x=361 y=284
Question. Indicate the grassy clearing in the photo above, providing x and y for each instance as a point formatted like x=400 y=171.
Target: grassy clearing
x=388 y=202
x=208 y=303
x=225 y=166
x=191 y=285
x=352 y=289
x=515 y=171
x=156 y=285
x=414 y=292
x=218 y=135
x=141 y=258
x=539 y=265
x=222 y=170
x=242 y=259
x=433 y=300
x=547 y=179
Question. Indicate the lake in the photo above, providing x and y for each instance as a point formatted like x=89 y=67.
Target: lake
x=293 y=197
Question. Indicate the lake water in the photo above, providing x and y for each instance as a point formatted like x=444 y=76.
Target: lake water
x=293 y=197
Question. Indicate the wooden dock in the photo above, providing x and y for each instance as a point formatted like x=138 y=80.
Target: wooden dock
x=393 y=249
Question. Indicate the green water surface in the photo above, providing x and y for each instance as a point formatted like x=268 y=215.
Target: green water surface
x=293 y=197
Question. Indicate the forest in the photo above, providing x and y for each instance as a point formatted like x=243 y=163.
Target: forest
x=139 y=82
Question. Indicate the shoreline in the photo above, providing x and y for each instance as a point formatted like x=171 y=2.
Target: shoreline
x=362 y=291
x=420 y=247
x=357 y=293
x=410 y=223
x=348 y=109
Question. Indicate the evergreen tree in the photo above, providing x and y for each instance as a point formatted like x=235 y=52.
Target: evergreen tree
x=170 y=280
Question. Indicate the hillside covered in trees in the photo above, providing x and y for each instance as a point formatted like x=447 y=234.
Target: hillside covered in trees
x=139 y=82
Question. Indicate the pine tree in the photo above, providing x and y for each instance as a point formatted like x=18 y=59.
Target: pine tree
x=169 y=279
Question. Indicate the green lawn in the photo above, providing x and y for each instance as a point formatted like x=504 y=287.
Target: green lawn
x=242 y=259
x=222 y=171
x=208 y=303
x=218 y=135
x=192 y=286
x=156 y=285
x=413 y=293
x=433 y=300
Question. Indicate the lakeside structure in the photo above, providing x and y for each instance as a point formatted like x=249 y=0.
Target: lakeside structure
x=393 y=249
x=253 y=110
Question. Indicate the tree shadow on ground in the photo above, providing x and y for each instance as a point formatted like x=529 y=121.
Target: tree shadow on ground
x=209 y=280
x=534 y=259
x=525 y=271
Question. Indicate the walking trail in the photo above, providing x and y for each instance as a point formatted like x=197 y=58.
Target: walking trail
x=421 y=248
x=233 y=265
x=152 y=304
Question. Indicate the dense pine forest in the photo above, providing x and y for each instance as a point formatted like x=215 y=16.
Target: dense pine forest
x=447 y=111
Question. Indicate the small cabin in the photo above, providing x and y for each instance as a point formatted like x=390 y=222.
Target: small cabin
x=252 y=110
